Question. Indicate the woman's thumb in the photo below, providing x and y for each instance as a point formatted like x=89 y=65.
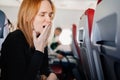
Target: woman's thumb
x=34 y=35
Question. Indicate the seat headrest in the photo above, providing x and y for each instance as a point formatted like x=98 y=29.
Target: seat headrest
x=2 y=22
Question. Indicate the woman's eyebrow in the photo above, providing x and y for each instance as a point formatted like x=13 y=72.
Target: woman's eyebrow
x=46 y=12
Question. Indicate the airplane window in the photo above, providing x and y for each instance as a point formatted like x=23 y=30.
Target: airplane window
x=65 y=37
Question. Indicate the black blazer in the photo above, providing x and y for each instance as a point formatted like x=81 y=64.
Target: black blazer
x=19 y=61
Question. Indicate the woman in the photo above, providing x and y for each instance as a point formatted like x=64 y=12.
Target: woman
x=24 y=52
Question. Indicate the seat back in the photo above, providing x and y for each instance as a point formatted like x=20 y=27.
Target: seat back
x=106 y=42
x=77 y=52
x=2 y=22
x=4 y=29
x=76 y=48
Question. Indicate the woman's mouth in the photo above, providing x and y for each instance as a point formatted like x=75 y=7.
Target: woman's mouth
x=38 y=34
x=44 y=26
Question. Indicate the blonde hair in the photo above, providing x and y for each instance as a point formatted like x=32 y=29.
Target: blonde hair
x=27 y=12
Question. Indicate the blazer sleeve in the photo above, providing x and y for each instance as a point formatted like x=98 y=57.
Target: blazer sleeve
x=15 y=63
x=45 y=69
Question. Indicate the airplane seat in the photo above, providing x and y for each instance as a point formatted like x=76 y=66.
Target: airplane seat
x=4 y=30
x=106 y=45
x=58 y=66
x=77 y=52
x=2 y=21
x=70 y=58
x=81 y=33
x=84 y=52
x=117 y=70
x=75 y=43
x=55 y=65
x=57 y=69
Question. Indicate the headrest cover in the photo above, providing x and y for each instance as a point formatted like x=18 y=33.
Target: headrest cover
x=2 y=22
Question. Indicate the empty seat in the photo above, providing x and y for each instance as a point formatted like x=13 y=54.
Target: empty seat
x=107 y=46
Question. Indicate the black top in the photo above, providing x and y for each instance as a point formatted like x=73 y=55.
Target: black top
x=19 y=61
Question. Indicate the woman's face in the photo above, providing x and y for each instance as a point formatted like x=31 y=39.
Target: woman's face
x=44 y=17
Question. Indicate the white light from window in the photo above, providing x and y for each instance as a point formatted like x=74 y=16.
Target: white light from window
x=65 y=37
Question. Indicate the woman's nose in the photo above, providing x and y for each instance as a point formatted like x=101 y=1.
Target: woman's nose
x=48 y=18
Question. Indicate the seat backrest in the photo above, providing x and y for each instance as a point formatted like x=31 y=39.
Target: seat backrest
x=4 y=29
x=2 y=21
x=106 y=47
x=76 y=48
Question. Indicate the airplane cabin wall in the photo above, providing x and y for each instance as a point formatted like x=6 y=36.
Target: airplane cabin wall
x=65 y=18
x=11 y=13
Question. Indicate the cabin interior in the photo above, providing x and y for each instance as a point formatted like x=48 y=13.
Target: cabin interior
x=90 y=37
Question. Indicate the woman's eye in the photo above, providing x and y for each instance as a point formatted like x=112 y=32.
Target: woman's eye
x=42 y=15
x=51 y=15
